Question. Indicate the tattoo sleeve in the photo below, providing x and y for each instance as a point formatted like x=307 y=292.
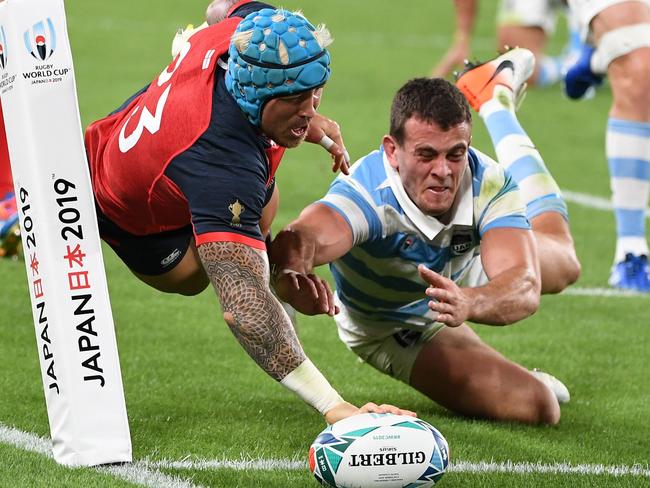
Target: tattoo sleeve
x=240 y=276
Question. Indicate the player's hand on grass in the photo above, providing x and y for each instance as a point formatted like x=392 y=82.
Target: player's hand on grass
x=309 y=294
x=447 y=298
x=345 y=409
x=327 y=133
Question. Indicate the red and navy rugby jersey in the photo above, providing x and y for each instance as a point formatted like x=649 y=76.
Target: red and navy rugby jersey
x=181 y=151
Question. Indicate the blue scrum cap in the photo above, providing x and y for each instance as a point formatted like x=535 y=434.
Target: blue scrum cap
x=275 y=53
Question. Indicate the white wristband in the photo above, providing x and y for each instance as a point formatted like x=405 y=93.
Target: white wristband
x=310 y=385
x=327 y=143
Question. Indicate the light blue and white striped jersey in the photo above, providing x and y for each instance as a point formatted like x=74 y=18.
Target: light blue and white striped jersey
x=378 y=279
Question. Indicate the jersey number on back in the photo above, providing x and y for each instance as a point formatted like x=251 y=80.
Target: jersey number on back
x=151 y=122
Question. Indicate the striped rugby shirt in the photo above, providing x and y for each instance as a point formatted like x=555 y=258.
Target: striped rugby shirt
x=377 y=280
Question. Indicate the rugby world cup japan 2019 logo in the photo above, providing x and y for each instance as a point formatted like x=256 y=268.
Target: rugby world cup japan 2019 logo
x=3 y=48
x=40 y=40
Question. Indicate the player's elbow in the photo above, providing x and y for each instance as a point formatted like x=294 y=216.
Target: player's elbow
x=529 y=296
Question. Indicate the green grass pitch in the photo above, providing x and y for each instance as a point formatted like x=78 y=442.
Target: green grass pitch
x=192 y=393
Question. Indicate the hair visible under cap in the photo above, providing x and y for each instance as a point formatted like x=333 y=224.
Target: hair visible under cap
x=241 y=40
x=432 y=100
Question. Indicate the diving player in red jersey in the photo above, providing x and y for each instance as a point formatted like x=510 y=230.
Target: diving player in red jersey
x=183 y=175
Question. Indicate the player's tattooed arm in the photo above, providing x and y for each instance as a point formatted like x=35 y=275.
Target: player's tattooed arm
x=240 y=276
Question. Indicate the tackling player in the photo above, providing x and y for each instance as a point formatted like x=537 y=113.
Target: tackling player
x=184 y=176
x=428 y=209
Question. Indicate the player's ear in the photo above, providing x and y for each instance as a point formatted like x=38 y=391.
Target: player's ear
x=390 y=147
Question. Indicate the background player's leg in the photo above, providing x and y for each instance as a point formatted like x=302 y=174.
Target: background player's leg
x=547 y=69
x=459 y=371
x=628 y=146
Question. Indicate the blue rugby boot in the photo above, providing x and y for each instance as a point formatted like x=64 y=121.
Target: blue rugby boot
x=579 y=79
x=9 y=228
x=632 y=274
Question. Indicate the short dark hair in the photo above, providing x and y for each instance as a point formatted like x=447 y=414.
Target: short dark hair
x=429 y=99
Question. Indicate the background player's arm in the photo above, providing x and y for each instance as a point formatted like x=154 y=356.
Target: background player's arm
x=320 y=235
x=509 y=258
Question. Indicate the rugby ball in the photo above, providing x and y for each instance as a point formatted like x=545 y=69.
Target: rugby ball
x=379 y=451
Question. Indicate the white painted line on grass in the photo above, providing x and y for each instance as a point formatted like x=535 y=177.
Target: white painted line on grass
x=142 y=475
x=260 y=464
x=133 y=473
x=557 y=468
x=603 y=292
x=25 y=441
x=145 y=472
x=591 y=201
x=257 y=464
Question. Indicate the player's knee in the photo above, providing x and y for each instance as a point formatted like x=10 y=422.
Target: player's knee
x=546 y=409
x=571 y=271
x=629 y=75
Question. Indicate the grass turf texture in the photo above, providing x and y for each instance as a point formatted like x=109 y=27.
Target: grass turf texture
x=190 y=388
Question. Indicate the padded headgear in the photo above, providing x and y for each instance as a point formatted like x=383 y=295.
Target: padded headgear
x=283 y=57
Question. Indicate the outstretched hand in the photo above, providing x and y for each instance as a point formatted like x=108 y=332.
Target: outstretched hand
x=309 y=294
x=345 y=409
x=447 y=298
x=327 y=133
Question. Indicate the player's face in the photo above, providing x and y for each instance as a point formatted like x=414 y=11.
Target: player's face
x=430 y=163
x=285 y=120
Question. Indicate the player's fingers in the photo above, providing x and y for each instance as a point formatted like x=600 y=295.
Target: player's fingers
x=338 y=152
x=294 y=280
x=448 y=320
x=369 y=407
x=396 y=410
x=331 y=308
x=440 y=294
x=441 y=307
x=309 y=282
x=431 y=277
x=323 y=299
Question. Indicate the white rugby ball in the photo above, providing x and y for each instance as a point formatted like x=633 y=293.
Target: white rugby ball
x=379 y=451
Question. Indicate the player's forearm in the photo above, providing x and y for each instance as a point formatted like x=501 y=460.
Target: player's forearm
x=319 y=236
x=240 y=278
x=509 y=297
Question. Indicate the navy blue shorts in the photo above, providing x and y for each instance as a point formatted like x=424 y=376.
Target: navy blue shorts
x=151 y=255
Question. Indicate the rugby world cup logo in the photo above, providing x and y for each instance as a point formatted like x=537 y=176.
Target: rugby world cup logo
x=40 y=40
x=3 y=48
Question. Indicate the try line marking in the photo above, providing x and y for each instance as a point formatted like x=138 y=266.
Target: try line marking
x=454 y=467
x=145 y=472
x=591 y=201
x=136 y=473
x=602 y=292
